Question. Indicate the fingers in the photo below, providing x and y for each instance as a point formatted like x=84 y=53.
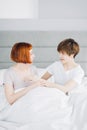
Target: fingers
x=43 y=83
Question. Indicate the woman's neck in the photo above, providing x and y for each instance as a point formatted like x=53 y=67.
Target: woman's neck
x=70 y=65
x=22 y=66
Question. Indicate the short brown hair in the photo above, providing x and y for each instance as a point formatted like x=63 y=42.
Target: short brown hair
x=70 y=46
x=20 y=52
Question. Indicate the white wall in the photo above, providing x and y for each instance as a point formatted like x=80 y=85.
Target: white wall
x=58 y=15
x=63 y=9
x=18 y=9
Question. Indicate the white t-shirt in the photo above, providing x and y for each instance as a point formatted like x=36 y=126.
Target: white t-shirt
x=15 y=79
x=61 y=76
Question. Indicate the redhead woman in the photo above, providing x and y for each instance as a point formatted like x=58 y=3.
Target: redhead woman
x=20 y=75
x=20 y=80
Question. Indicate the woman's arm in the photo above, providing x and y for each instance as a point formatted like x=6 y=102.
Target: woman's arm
x=46 y=76
x=65 y=88
x=13 y=96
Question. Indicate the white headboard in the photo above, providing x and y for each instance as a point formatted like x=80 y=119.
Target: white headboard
x=44 y=45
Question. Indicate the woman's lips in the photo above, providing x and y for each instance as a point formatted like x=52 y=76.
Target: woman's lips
x=61 y=59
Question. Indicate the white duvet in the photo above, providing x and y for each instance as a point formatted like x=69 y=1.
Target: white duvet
x=47 y=109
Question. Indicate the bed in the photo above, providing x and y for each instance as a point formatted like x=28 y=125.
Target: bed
x=71 y=114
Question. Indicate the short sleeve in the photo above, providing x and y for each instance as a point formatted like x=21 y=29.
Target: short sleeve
x=79 y=74
x=50 y=68
x=8 y=78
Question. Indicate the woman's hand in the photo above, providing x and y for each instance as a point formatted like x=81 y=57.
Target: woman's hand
x=45 y=83
x=36 y=83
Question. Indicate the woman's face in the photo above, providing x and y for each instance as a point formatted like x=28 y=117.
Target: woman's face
x=65 y=58
x=31 y=55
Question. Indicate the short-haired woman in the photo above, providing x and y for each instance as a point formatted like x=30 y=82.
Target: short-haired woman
x=67 y=73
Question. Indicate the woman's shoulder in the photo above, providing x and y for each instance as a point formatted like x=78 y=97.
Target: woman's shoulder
x=9 y=70
x=79 y=69
x=8 y=73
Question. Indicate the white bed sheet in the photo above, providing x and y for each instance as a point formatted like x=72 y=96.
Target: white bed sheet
x=68 y=114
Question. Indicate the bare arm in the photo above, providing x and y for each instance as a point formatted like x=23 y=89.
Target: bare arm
x=13 y=96
x=46 y=76
x=65 y=88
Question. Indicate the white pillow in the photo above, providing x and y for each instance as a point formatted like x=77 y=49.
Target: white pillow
x=2 y=71
x=3 y=100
